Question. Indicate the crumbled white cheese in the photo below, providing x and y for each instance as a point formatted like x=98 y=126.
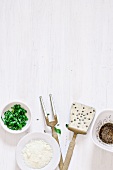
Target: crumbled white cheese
x=37 y=154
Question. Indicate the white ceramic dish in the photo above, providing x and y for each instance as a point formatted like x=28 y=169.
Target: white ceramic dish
x=105 y=116
x=38 y=136
x=8 y=107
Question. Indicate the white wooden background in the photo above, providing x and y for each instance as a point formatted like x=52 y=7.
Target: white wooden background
x=63 y=47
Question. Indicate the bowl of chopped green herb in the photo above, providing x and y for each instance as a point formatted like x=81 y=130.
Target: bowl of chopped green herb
x=16 y=117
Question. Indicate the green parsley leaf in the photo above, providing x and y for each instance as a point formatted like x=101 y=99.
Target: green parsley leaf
x=15 y=118
x=57 y=130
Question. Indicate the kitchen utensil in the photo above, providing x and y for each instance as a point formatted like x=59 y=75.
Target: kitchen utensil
x=52 y=123
x=80 y=120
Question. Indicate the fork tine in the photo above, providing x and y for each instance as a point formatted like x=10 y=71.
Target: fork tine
x=42 y=104
x=52 y=105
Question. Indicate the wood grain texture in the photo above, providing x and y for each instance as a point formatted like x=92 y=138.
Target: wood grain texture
x=63 y=47
x=69 y=153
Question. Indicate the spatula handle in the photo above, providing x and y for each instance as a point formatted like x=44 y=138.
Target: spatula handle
x=69 y=153
x=55 y=136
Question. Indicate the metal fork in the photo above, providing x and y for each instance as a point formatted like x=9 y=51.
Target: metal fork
x=52 y=124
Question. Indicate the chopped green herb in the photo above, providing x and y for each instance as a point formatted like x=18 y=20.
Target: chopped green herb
x=67 y=125
x=57 y=130
x=15 y=118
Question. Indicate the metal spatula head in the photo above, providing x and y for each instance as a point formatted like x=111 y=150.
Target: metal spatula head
x=80 y=118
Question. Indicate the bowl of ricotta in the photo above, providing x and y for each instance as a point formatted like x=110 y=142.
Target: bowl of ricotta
x=37 y=151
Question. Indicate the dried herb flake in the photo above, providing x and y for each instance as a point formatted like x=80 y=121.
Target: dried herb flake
x=67 y=125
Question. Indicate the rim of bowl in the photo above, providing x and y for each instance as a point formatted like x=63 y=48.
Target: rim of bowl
x=96 y=117
x=39 y=133
x=13 y=131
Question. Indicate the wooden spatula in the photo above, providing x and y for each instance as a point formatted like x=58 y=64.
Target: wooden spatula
x=80 y=120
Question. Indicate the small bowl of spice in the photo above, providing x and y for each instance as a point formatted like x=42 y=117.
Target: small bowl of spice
x=102 y=131
x=15 y=117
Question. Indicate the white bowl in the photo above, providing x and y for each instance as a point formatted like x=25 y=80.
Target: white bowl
x=105 y=116
x=38 y=136
x=28 y=114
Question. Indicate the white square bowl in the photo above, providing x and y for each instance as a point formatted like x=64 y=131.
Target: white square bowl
x=104 y=117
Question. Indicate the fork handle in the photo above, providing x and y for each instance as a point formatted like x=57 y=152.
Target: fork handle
x=69 y=153
x=55 y=136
